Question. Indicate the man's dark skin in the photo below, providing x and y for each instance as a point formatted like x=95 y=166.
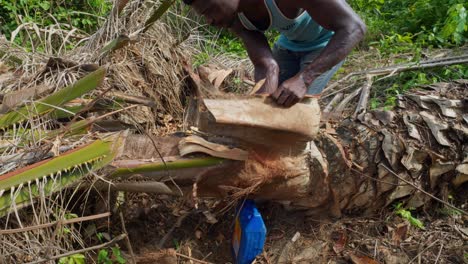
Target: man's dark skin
x=334 y=15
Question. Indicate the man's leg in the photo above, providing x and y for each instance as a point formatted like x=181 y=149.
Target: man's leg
x=321 y=82
x=289 y=62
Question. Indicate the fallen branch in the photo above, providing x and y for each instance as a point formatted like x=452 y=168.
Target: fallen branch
x=71 y=253
x=65 y=222
x=329 y=107
x=364 y=99
x=340 y=108
x=404 y=67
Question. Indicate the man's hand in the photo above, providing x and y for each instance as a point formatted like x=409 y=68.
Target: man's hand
x=290 y=91
x=269 y=72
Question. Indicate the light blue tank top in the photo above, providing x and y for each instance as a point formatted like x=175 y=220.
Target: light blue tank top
x=299 y=34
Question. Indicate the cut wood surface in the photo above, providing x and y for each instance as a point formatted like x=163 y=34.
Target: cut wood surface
x=260 y=120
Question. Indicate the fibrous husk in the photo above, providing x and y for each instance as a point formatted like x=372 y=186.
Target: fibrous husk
x=261 y=172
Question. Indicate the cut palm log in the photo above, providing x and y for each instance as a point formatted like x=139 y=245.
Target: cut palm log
x=358 y=165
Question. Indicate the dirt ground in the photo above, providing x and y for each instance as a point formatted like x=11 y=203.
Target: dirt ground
x=163 y=230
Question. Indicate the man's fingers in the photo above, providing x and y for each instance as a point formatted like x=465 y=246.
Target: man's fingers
x=276 y=94
x=292 y=99
x=282 y=99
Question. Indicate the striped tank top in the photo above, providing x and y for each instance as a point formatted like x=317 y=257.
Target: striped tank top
x=299 y=34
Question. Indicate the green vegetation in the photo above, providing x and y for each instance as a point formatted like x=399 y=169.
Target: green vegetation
x=73 y=259
x=420 y=23
x=33 y=15
x=114 y=256
x=387 y=91
x=111 y=255
x=406 y=214
x=413 y=28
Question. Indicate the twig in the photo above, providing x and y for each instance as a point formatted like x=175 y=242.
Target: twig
x=103 y=245
x=440 y=252
x=335 y=84
x=332 y=103
x=65 y=222
x=340 y=108
x=338 y=91
x=421 y=190
x=192 y=259
x=364 y=99
x=133 y=99
x=127 y=239
x=328 y=109
x=136 y=187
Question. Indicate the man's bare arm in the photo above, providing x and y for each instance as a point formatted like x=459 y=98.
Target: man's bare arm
x=261 y=56
x=337 y=16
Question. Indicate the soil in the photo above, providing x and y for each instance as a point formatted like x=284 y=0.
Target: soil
x=192 y=235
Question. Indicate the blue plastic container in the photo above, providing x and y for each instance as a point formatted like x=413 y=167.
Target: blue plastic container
x=249 y=234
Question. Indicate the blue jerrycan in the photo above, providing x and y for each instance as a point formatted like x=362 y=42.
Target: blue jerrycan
x=249 y=233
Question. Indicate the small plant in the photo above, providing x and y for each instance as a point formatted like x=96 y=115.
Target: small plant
x=114 y=257
x=73 y=259
x=109 y=257
x=406 y=214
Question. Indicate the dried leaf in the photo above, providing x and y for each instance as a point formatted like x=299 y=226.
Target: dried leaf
x=198 y=234
x=402 y=190
x=412 y=129
x=362 y=259
x=210 y=218
x=462 y=177
x=419 y=101
x=386 y=117
x=418 y=199
x=437 y=169
x=391 y=257
x=392 y=148
x=311 y=253
x=436 y=126
x=414 y=159
x=340 y=239
x=217 y=78
x=399 y=234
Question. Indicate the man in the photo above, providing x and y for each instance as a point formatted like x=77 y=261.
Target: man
x=316 y=36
